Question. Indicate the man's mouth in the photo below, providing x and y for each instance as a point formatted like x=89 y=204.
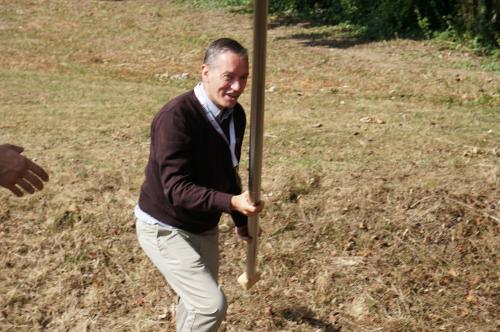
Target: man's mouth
x=232 y=95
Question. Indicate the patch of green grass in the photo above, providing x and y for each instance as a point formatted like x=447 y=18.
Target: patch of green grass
x=491 y=66
x=466 y=65
x=76 y=259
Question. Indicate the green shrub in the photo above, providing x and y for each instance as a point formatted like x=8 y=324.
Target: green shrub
x=474 y=22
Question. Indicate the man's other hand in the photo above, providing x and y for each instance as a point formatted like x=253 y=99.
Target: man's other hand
x=18 y=173
x=242 y=233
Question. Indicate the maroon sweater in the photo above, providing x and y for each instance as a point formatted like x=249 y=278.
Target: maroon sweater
x=190 y=177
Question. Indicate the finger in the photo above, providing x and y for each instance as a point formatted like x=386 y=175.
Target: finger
x=38 y=170
x=245 y=236
x=16 y=148
x=15 y=190
x=26 y=186
x=33 y=180
x=252 y=211
x=259 y=205
x=242 y=233
x=247 y=239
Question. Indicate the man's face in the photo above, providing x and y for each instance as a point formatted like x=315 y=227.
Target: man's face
x=225 y=79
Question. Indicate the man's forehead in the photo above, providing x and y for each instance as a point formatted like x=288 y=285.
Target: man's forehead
x=230 y=58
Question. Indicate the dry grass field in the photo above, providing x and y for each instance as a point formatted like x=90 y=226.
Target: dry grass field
x=381 y=173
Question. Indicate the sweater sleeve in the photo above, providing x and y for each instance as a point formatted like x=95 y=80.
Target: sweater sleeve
x=172 y=147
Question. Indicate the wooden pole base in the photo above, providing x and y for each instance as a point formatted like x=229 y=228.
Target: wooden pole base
x=247 y=283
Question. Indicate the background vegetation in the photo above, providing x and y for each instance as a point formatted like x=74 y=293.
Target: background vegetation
x=473 y=22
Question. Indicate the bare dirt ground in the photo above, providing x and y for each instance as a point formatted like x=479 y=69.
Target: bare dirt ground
x=381 y=173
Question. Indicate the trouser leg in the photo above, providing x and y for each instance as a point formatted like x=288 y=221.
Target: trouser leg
x=207 y=245
x=189 y=263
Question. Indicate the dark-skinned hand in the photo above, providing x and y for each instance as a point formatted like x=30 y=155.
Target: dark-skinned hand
x=19 y=174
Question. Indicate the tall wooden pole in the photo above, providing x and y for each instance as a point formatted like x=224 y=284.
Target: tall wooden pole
x=251 y=276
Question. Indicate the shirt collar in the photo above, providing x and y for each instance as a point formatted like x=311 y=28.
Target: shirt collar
x=202 y=97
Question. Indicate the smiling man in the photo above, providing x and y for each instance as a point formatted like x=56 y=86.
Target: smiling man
x=191 y=179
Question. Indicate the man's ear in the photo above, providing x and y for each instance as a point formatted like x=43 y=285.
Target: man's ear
x=204 y=72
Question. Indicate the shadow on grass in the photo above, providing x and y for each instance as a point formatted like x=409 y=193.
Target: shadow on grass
x=324 y=40
x=340 y=36
x=333 y=36
x=242 y=9
x=303 y=315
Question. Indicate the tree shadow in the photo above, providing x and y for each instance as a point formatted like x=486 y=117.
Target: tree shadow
x=336 y=37
x=242 y=9
x=303 y=315
x=325 y=40
x=344 y=37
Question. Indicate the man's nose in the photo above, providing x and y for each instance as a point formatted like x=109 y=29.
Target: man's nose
x=237 y=85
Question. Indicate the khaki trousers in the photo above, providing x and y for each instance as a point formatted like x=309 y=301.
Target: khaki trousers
x=190 y=264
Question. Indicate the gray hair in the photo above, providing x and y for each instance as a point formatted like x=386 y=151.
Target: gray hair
x=221 y=46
